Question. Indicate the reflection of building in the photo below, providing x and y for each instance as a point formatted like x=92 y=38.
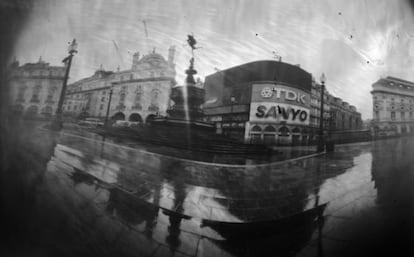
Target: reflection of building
x=139 y=93
x=35 y=88
x=263 y=101
x=393 y=102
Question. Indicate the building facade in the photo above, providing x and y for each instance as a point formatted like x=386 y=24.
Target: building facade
x=260 y=102
x=343 y=116
x=272 y=102
x=316 y=108
x=137 y=94
x=393 y=107
x=35 y=89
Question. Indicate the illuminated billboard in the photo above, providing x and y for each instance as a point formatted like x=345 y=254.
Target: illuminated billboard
x=275 y=103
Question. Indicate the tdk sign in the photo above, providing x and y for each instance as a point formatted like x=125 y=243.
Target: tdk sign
x=283 y=94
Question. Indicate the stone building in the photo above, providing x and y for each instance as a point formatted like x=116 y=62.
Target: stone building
x=343 y=116
x=272 y=102
x=393 y=107
x=261 y=102
x=137 y=94
x=315 y=111
x=35 y=88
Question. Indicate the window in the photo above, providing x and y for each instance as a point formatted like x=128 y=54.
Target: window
x=36 y=91
x=138 y=97
x=50 y=94
x=154 y=96
x=411 y=115
x=122 y=97
x=20 y=94
x=101 y=107
x=402 y=115
x=392 y=115
x=103 y=99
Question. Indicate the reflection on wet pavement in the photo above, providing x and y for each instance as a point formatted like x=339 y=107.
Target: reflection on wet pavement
x=120 y=200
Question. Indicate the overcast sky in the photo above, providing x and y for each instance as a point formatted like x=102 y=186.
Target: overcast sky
x=355 y=42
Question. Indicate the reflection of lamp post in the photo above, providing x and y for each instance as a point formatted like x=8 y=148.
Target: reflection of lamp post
x=72 y=49
x=321 y=147
x=109 y=106
x=232 y=100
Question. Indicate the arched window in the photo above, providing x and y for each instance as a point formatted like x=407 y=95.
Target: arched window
x=150 y=118
x=270 y=129
x=296 y=130
x=118 y=116
x=135 y=117
x=47 y=110
x=32 y=109
x=18 y=109
x=256 y=129
x=283 y=131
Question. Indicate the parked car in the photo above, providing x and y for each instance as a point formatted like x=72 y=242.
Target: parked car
x=95 y=122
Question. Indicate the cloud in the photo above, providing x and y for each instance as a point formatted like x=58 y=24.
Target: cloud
x=354 y=42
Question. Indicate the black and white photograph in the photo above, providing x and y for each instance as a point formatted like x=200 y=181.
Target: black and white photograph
x=204 y=128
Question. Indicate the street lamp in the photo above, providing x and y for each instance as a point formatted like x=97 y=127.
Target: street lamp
x=321 y=147
x=109 y=106
x=72 y=49
x=232 y=100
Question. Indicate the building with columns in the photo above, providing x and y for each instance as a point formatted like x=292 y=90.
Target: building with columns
x=137 y=94
x=35 y=88
x=393 y=107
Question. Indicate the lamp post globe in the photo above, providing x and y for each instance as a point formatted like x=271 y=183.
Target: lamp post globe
x=321 y=143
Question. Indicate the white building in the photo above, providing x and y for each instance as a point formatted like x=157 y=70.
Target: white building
x=393 y=106
x=35 y=89
x=138 y=94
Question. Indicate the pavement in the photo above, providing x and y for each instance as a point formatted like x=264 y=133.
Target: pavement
x=66 y=194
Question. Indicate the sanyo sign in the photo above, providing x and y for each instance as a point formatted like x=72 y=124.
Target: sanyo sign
x=276 y=103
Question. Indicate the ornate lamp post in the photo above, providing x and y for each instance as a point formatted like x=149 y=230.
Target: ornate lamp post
x=108 y=107
x=321 y=146
x=57 y=123
x=232 y=100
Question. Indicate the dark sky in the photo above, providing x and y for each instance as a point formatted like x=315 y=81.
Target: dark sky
x=354 y=42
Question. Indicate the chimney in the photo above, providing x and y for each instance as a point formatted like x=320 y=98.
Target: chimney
x=135 y=60
x=171 y=53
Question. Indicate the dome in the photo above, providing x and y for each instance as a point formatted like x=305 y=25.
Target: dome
x=153 y=59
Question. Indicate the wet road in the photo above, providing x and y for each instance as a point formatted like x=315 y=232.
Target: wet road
x=71 y=195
